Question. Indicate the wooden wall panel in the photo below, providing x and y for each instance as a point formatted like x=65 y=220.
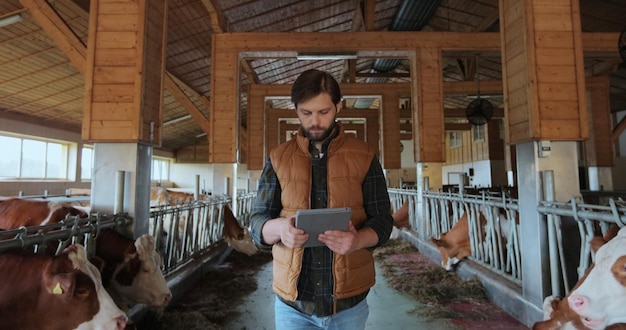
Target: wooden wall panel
x=123 y=74
x=543 y=70
x=599 y=148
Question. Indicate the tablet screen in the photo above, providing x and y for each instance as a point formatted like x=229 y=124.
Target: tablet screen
x=317 y=221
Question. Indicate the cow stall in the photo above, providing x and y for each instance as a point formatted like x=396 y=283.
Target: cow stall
x=498 y=244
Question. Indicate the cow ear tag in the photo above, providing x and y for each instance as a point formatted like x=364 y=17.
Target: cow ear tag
x=57 y=289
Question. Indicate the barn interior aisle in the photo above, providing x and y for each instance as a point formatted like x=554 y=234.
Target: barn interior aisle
x=411 y=292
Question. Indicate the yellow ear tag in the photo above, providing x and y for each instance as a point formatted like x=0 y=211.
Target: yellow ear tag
x=57 y=289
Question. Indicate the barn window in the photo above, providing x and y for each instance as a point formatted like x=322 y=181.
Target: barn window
x=160 y=169
x=478 y=133
x=456 y=139
x=86 y=163
x=33 y=159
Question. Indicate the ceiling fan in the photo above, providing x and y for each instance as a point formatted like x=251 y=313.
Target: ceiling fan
x=479 y=111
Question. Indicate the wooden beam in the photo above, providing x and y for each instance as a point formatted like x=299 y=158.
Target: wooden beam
x=369 y=14
x=190 y=107
x=458 y=127
x=383 y=75
x=59 y=31
x=357 y=18
x=289 y=42
x=605 y=67
x=618 y=130
x=252 y=76
x=218 y=20
x=469 y=87
x=460 y=113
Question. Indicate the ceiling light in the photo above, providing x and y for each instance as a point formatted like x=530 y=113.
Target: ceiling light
x=4 y=21
x=175 y=120
x=327 y=56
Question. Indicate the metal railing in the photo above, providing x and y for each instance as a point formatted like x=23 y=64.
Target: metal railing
x=493 y=225
x=182 y=232
x=591 y=220
x=245 y=202
x=495 y=241
x=59 y=235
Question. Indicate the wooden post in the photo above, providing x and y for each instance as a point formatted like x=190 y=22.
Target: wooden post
x=543 y=70
x=428 y=128
x=599 y=148
x=124 y=71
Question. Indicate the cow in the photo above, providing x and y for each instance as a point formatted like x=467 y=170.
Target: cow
x=400 y=219
x=401 y=216
x=39 y=291
x=132 y=267
x=17 y=212
x=132 y=270
x=158 y=196
x=238 y=237
x=454 y=245
x=601 y=297
x=558 y=314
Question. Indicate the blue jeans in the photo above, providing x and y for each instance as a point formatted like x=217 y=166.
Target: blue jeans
x=288 y=318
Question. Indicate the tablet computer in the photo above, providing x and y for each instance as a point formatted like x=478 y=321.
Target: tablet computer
x=317 y=221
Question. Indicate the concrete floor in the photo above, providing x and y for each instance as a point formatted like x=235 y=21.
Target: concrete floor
x=389 y=309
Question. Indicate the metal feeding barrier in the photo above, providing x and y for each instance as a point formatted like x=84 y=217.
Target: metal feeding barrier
x=59 y=235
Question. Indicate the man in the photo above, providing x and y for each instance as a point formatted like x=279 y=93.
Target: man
x=321 y=167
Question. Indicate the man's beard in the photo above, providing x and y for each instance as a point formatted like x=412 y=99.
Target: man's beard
x=321 y=137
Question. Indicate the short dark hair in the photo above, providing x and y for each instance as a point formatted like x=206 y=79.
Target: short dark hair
x=312 y=83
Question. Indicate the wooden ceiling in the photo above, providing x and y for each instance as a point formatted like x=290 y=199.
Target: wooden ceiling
x=39 y=83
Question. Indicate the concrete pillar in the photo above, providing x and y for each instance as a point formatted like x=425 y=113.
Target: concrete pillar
x=561 y=159
x=135 y=160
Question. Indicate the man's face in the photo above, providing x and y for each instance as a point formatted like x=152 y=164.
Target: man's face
x=317 y=117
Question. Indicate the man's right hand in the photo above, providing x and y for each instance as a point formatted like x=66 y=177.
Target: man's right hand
x=285 y=231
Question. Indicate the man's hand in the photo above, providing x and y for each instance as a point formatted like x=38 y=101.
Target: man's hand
x=339 y=241
x=285 y=231
x=348 y=241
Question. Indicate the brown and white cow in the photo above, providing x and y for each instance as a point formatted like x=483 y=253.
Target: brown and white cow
x=401 y=216
x=132 y=273
x=558 y=314
x=601 y=297
x=238 y=237
x=17 y=212
x=400 y=219
x=40 y=291
x=132 y=267
x=454 y=245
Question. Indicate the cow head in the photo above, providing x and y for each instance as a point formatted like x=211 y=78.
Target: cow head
x=450 y=255
x=601 y=297
x=138 y=279
x=74 y=281
x=238 y=237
